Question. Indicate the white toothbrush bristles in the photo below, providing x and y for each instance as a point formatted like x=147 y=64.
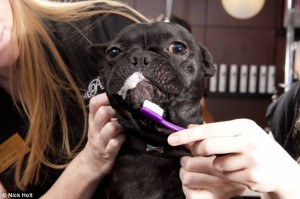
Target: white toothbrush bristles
x=154 y=107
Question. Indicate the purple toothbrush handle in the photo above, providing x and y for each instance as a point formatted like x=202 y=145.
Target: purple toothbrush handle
x=171 y=126
x=159 y=119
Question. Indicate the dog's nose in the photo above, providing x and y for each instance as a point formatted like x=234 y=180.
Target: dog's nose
x=140 y=59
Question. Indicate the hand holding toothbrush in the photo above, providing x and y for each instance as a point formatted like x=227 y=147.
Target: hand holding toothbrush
x=251 y=159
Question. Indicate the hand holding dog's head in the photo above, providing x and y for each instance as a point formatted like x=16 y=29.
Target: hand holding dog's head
x=160 y=62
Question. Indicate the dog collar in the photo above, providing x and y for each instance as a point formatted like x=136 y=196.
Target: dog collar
x=163 y=151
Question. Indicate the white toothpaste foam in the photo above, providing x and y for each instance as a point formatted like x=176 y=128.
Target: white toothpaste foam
x=130 y=83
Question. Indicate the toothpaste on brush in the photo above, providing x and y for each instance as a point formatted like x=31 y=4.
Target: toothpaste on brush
x=154 y=112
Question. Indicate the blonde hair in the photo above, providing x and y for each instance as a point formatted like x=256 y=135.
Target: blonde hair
x=39 y=90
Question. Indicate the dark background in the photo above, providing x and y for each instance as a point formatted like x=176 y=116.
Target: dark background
x=258 y=40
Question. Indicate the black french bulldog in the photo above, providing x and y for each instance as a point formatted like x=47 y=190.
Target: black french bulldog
x=160 y=62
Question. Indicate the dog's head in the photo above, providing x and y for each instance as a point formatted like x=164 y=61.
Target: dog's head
x=160 y=62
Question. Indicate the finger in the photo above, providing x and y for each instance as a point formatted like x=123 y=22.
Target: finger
x=197 y=193
x=189 y=146
x=219 y=145
x=192 y=126
x=242 y=176
x=230 y=162
x=103 y=115
x=200 y=180
x=187 y=192
x=198 y=164
x=114 y=145
x=211 y=130
x=109 y=131
x=96 y=102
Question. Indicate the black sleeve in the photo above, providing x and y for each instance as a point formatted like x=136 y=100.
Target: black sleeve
x=281 y=116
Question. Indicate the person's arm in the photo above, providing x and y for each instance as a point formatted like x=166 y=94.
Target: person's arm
x=3 y=191
x=244 y=154
x=82 y=176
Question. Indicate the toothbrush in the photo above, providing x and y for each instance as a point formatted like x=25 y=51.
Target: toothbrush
x=155 y=112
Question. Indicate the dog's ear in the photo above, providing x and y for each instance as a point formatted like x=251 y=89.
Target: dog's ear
x=97 y=52
x=208 y=64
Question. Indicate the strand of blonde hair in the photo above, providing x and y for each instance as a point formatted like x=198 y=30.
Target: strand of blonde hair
x=40 y=90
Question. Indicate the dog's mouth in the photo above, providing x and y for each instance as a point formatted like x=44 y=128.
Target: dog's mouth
x=129 y=96
x=136 y=89
x=147 y=91
x=144 y=90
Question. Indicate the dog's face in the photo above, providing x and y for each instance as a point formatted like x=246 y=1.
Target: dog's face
x=160 y=62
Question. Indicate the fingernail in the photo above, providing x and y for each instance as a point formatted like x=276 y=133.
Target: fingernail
x=173 y=139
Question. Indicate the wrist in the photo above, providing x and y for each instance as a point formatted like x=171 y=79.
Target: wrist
x=88 y=167
x=78 y=180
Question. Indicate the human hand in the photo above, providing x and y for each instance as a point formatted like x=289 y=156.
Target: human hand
x=202 y=181
x=104 y=136
x=250 y=156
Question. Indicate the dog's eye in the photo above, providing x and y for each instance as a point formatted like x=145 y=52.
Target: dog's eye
x=177 y=48
x=113 y=52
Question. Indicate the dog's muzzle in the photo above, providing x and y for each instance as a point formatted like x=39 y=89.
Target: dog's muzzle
x=136 y=89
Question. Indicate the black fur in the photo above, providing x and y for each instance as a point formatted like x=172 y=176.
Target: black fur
x=175 y=66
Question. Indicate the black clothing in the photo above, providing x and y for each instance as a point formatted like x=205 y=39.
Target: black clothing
x=73 y=45
x=283 y=121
